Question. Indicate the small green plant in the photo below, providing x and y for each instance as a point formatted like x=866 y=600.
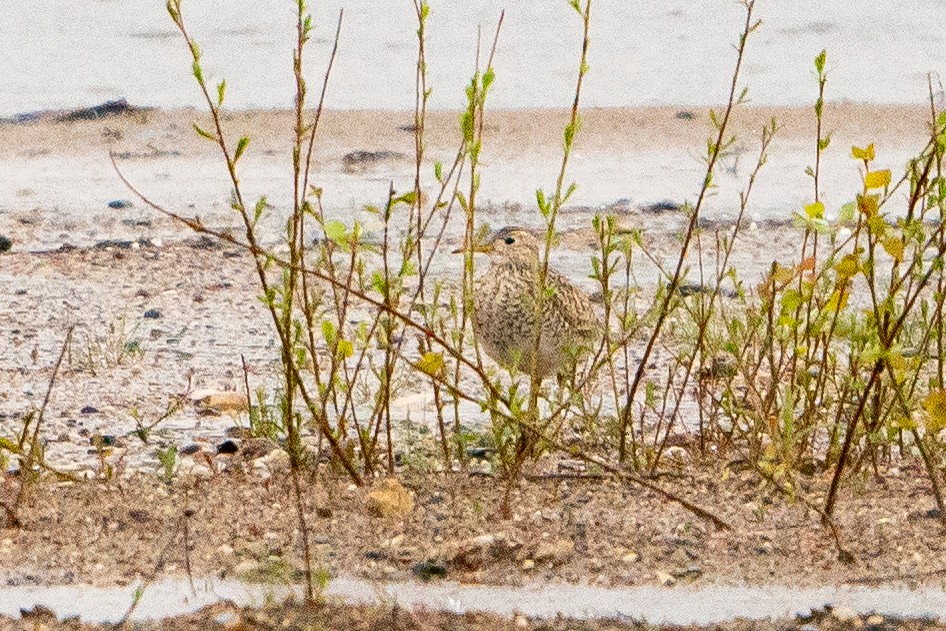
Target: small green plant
x=116 y=346
x=167 y=462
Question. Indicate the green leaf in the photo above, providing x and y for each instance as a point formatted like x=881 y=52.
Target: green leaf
x=328 y=331
x=935 y=406
x=867 y=153
x=345 y=349
x=336 y=231
x=431 y=364
x=894 y=247
x=815 y=210
x=819 y=61
x=488 y=78
x=221 y=91
x=438 y=171
x=204 y=133
x=241 y=147
x=877 y=179
x=847 y=212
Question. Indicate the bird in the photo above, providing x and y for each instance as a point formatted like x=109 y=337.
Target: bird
x=504 y=309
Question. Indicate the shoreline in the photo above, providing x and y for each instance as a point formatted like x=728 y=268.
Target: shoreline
x=59 y=180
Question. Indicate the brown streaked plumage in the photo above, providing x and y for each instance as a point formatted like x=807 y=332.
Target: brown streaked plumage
x=504 y=300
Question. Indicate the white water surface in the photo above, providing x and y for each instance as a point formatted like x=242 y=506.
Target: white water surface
x=656 y=605
x=68 y=53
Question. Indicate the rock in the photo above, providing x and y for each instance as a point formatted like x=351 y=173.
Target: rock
x=152 y=314
x=475 y=552
x=875 y=620
x=220 y=402
x=661 y=207
x=118 y=204
x=5 y=243
x=630 y=558
x=109 y=108
x=247 y=567
x=685 y=115
x=260 y=448
x=276 y=460
x=665 y=579
x=426 y=570
x=390 y=499
x=39 y=616
x=844 y=614
x=554 y=551
x=228 y=447
x=189 y=450
x=528 y=564
x=691 y=571
x=358 y=160
x=89 y=410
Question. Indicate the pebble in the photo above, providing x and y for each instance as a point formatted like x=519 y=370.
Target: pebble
x=555 y=552
x=247 y=566
x=390 y=499
x=152 y=314
x=665 y=579
x=228 y=447
x=528 y=564
x=843 y=614
x=118 y=204
x=426 y=570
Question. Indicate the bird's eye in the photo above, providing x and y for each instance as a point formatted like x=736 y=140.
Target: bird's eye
x=509 y=240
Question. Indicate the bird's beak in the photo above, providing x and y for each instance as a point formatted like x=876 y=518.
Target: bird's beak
x=484 y=248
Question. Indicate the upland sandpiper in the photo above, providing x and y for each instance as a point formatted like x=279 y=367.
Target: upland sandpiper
x=504 y=303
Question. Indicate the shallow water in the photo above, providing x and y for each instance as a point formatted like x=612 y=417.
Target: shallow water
x=60 y=53
x=656 y=605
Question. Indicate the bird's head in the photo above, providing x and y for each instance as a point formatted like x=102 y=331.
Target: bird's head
x=511 y=243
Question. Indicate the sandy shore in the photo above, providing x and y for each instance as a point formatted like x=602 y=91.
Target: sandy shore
x=190 y=310
x=57 y=179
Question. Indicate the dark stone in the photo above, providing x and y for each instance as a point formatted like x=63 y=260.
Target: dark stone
x=685 y=115
x=120 y=203
x=374 y=555
x=121 y=244
x=109 y=108
x=102 y=440
x=5 y=243
x=89 y=410
x=189 y=450
x=365 y=158
x=480 y=453
x=137 y=223
x=152 y=314
x=228 y=447
x=426 y=570
x=691 y=289
x=663 y=206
